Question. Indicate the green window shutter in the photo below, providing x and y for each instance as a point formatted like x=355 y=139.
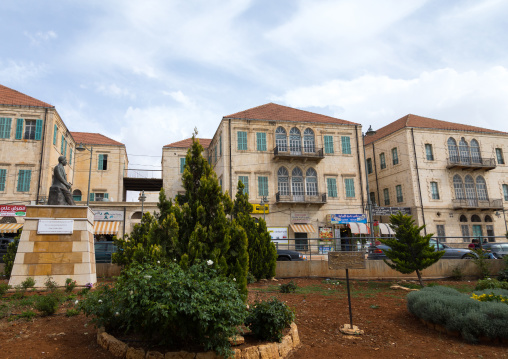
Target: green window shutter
x=70 y=158
x=350 y=187
x=19 y=128
x=5 y=127
x=106 y=195
x=242 y=140
x=261 y=141
x=24 y=177
x=328 y=144
x=92 y=197
x=62 y=145
x=263 y=186
x=55 y=133
x=332 y=187
x=220 y=182
x=101 y=159
x=220 y=144
x=182 y=164
x=65 y=149
x=3 y=177
x=505 y=188
x=215 y=154
x=346 y=145
x=245 y=181
x=38 y=130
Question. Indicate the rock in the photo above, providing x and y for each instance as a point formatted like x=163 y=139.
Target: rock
x=274 y=280
x=133 y=353
x=102 y=339
x=237 y=340
x=268 y=351
x=285 y=346
x=154 y=355
x=294 y=335
x=180 y=355
x=208 y=355
x=116 y=347
x=250 y=353
x=348 y=330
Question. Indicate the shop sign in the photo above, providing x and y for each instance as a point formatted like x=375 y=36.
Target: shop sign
x=300 y=217
x=12 y=211
x=258 y=208
x=347 y=218
x=55 y=226
x=105 y=215
x=325 y=232
x=346 y=260
x=386 y=211
x=279 y=234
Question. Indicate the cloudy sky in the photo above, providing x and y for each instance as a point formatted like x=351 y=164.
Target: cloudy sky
x=147 y=72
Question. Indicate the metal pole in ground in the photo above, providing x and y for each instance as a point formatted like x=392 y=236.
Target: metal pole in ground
x=349 y=300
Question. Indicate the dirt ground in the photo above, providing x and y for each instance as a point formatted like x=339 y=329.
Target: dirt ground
x=321 y=308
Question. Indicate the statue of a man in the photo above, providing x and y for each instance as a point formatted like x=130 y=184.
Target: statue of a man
x=60 y=190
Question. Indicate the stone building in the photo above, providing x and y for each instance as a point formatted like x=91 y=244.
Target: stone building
x=453 y=177
x=307 y=168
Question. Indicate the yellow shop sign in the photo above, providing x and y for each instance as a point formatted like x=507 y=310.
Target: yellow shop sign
x=258 y=208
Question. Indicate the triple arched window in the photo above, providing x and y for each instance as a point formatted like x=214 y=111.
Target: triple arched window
x=297 y=184
x=470 y=189
x=464 y=152
x=295 y=140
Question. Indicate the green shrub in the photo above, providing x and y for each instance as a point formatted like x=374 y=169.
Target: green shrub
x=503 y=274
x=288 y=287
x=268 y=319
x=50 y=284
x=47 y=304
x=250 y=278
x=482 y=263
x=28 y=315
x=70 y=284
x=72 y=312
x=457 y=274
x=459 y=312
x=4 y=287
x=490 y=284
x=29 y=282
x=9 y=257
x=170 y=305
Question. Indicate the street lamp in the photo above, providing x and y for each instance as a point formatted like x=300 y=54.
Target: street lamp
x=370 y=132
x=81 y=148
x=142 y=198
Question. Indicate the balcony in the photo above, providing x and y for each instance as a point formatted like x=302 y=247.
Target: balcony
x=288 y=153
x=469 y=163
x=474 y=204
x=288 y=197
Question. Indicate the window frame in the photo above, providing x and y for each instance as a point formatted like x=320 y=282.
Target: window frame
x=505 y=192
x=386 y=196
x=429 y=152
x=328 y=142
x=24 y=179
x=102 y=160
x=263 y=181
x=499 y=156
x=3 y=179
x=241 y=138
x=182 y=164
x=261 y=141
x=346 y=145
x=245 y=181
x=331 y=186
x=399 y=194
x=369 y=166
x=434 y=190
x=349 y=187
x=395 y=156
x=382 y=161
x=5 y=127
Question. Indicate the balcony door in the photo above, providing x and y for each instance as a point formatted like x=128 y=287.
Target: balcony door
x=295 y=141
x=297 y=188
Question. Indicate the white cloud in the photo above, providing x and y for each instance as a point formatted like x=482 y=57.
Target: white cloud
x=20 y=71
x=114 y=90
x=40 y=37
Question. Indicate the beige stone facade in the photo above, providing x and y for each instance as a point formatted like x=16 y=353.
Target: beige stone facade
x=452 y=176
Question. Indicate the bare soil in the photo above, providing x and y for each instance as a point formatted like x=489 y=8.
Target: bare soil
x=321 y=308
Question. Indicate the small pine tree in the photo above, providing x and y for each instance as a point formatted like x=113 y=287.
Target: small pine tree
x=409 y=251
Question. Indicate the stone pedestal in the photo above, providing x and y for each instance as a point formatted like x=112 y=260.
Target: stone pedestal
x=59 y=256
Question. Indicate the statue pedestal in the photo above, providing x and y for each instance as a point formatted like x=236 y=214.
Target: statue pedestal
x=55 y=254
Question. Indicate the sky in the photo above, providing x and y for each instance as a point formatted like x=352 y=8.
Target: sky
x=146 y=73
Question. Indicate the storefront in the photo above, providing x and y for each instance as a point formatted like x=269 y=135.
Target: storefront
x=349 y=231
x=107 y=224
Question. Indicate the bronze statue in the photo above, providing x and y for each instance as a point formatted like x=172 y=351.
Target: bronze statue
x=60 y=190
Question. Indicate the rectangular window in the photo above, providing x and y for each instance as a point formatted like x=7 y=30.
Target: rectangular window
x=382 y=160
x=30 y=126
x=372 y=196
x=395 y=156
x=182 y=164
x=499 y=155
x=220 y=144
x=76 y=197
x=242 y=140
x=24 y=177
x=386 y=195
x=103 y=162
x=3 y=178
x=19 y=128
x=65 y=150
x=349 y=183
x=434 y=190
x=331 y=183
x=215 y=154
x=262 y=186
x=62 y=145
x=490 y=233
x=441 y=232
x=92 y=197
x=328 y=144
x=70 y=157
x=101 y=197
x=346 y=145
x=220 y=182
x=245 y=181
x=505 y=192
x=369 y=165
x=398 y=190
x=428 y=152
x=465 y=232
x=261 y=141
x=55 y=133
x=5 y=127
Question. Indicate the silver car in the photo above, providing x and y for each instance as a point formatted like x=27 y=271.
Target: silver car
x=377 y=252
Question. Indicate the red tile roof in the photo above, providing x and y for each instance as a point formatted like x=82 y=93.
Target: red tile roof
x=423 y=122
x=88 y=138
x=273 y=112
x=205 y=142
x=9 y=96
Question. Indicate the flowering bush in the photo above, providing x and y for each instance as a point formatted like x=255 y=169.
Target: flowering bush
x=170 y=305
x=70 y=285
x=490 y=298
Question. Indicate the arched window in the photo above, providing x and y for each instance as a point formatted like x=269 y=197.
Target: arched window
x=465 y=157
x=308 y=141
x=76 y=195
x=297 y=183
x=459 y=187
x=136 y=215
x=471 y=198
x=481 y=189
x=488 y=218
x=281 y=139
x=311 y=181
x=452 y=150
x=295 y=141
x=475 y=218
x=463 y=218
x=476 y=156
x=283 y=181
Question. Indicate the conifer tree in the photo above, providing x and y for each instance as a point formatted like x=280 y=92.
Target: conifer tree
x=409 y=251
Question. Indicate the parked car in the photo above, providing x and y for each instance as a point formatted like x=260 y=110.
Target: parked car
x=4 y=243
x=104 y=251
x=377 y=251
x=287 y=255
x=498 y=250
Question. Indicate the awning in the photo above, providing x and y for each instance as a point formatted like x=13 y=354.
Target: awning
x=303 y=228
x=385 y=228
x=358 y=228
x=10 y=227
x=106 y=227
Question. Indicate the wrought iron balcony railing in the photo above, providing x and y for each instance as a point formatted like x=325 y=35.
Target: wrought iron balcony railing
x=469 y=162
x=492 y=204
x=288 y=197
x=289 y=152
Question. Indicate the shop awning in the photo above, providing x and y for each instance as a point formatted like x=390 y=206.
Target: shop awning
x=10 y=227
x=358 y=228
x=385 y=228
x=106 y=227
x=303 y=228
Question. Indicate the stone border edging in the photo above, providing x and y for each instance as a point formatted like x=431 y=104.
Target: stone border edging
x=272 y=350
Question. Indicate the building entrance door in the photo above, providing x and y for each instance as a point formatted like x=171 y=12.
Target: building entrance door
x=301 y=243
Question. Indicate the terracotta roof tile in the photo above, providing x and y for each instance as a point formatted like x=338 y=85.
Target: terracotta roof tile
x=273 y=112
x=205 y=142
x=9 y=96
x=424 y=122
x=88 y=138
